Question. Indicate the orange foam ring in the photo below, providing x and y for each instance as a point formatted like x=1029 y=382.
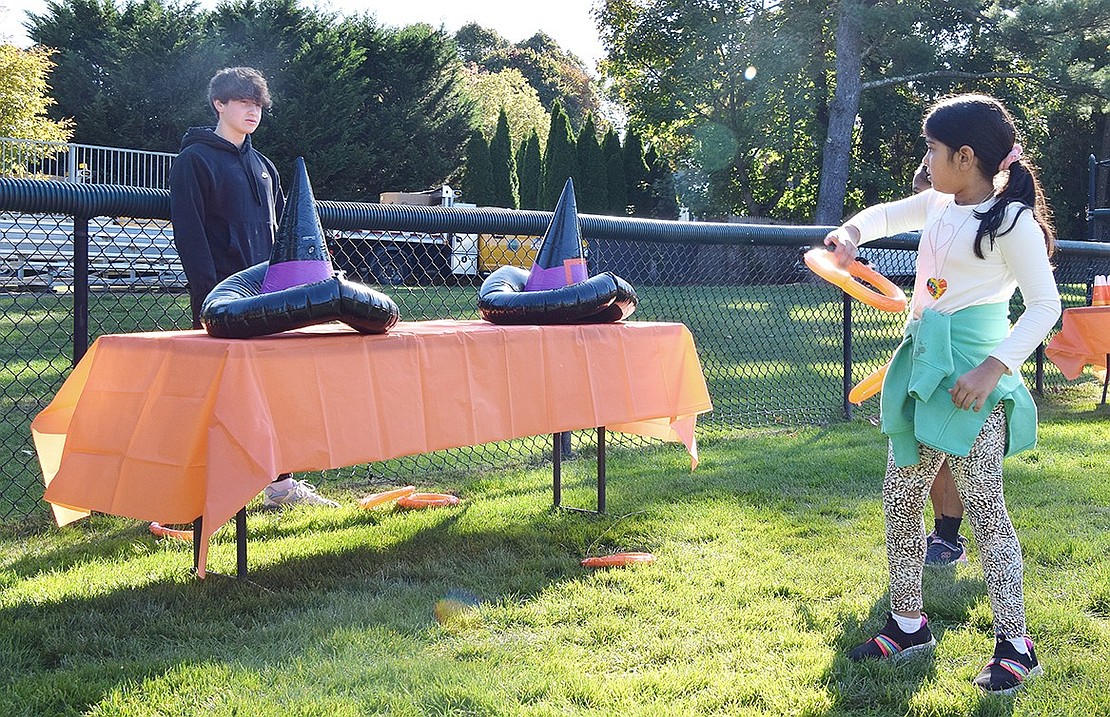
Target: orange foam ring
x=869 y=386
x=386 y=496
x=164 y=532
x=885 y=295
x=617 y=560
x=415 y=501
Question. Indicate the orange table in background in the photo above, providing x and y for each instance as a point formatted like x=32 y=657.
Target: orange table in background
x=172 y=426
x=1084 y=339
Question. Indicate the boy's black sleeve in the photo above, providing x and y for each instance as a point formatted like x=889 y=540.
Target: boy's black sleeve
x=189 y=190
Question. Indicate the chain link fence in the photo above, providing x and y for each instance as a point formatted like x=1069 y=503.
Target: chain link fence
x=778 y=346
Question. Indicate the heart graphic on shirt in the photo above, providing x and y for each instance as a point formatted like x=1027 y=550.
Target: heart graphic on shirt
x=936 y=287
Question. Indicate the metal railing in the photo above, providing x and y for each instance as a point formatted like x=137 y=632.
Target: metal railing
x=777 y=345
x=84 y=163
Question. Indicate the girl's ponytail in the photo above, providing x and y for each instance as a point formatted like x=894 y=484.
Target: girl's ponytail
x=1022 y=187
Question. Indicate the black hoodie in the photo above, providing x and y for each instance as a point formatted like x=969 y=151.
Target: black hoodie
x=225 y=202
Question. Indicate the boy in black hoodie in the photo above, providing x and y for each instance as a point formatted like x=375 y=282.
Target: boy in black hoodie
x=225 y=203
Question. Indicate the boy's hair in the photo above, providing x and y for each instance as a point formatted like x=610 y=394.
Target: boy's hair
x=239 y=83
x=982 y=123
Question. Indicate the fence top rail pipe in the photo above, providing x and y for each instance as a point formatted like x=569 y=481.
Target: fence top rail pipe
x=39 y=196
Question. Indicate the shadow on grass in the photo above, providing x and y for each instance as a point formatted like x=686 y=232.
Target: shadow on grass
x=318 y=576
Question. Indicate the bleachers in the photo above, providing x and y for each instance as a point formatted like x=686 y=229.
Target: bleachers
x=36 y=254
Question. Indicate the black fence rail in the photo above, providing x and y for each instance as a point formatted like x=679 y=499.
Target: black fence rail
x=778 y=346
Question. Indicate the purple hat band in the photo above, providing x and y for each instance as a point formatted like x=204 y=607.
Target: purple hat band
x=571 y=272
x=294 y=273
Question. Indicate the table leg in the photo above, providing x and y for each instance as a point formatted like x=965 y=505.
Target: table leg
x=198 y=523
x=557 y=473
x=1105 y=380
x=241 y=543
x=601 y=469
x=557 y=469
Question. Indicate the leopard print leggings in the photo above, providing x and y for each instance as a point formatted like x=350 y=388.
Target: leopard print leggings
x=978 y=478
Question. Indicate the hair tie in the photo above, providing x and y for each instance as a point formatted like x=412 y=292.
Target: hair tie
x=1013 y=156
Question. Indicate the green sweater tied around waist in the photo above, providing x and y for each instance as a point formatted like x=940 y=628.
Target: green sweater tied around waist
x=937 y=349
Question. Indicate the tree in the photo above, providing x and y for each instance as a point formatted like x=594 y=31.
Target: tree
x=503 y=167
x=664 y=203
x=560 y=158
x=476 y=42
x=617 y=195
x=772 y=109
x=506 y=91
x=529 y=168
x=413 y=117
x=25 y=98
x=636 y=180
x=477 y=179
x=370 y=109
x=127 y=76
x=593 y=193
x=554 y=73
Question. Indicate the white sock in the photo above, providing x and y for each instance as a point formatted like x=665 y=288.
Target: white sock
x=908 y=625
x=1021 y=644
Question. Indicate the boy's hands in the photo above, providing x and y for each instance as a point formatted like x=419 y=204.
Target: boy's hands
x=971 y=389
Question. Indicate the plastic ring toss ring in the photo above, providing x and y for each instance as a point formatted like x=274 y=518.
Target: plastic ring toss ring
x=427 y=500
x=387 y=496
x=163 y=532
x=872 y=288
x=869 y=386
x=617 y=560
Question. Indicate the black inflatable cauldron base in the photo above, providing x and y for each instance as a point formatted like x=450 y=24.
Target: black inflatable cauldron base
x=603 y=298
x=237 y=308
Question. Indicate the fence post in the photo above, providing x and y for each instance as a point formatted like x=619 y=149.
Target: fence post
x=1039 y=376
x=80 y=287
x=846 y=330
x=71 y=164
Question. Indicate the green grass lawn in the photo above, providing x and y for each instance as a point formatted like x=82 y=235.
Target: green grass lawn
x=770 y=565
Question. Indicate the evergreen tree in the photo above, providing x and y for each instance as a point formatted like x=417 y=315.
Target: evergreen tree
x=503 y=165
x=477 y=185
x=529 y=169
x=617 y=194
x=593 y=195
x=664 y=197
x=636 y=181
x=560 y=158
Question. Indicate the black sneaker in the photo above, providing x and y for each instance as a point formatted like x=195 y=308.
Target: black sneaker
x=892 y=643
x=941 y=552
x=1008 y=670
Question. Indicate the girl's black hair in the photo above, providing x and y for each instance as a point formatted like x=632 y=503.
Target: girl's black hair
x=983 y=124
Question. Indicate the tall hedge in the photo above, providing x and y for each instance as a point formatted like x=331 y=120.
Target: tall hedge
x=529 y=171
x=560 y=158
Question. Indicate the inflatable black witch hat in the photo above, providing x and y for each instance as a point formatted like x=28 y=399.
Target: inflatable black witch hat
x=559 y=289
x=559 y=261
x=299 y=255
x=297 y=287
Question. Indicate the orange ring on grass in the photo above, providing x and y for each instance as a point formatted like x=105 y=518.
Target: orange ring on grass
x=869 y=386
x=882 y=293
x=617 y=560
x=414 y=501
x=386 y=496
x=163 y=532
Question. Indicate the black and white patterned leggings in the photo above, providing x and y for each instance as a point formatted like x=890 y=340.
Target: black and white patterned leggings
x=978 y=478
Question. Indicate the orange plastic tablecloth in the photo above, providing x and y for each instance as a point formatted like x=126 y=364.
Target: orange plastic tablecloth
x=170 y=426
x=1084 y=339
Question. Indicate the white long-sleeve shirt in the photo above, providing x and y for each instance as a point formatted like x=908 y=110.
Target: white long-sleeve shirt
x=946 y=252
